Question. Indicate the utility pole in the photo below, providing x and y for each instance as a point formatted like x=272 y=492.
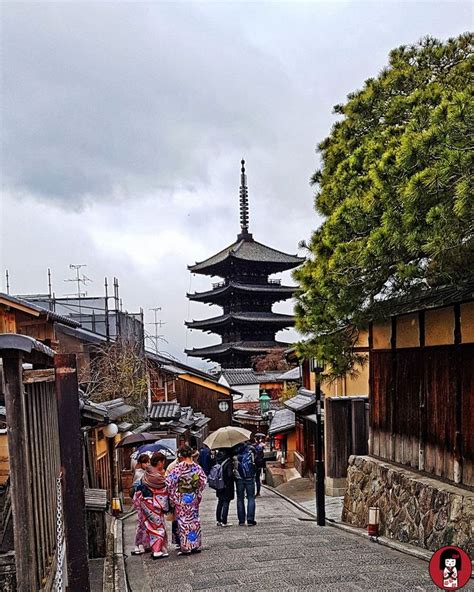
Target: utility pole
x=156 y=323
x=79 y=280
x=7 y=278
x=317 y=366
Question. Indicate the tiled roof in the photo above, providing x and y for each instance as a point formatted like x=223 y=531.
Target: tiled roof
x=248 y=250
x=269 y=376
x=104 y=411
x=282 y=421
x=165 y=410
x=276 y=289
x=240 y=376
x=174 y=366
x=116 y=408
x=302 y=401
x=176 y=418
x=254 y=347
x=235 y=376
x=427 y=298
x=50 y=314
x=81 y=334
x=244 y=317
x=293 y=374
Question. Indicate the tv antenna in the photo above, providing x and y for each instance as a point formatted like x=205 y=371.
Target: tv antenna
x=80 y=280
x=157 y=324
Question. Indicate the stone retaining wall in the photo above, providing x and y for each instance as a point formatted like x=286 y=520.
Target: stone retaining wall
x=413 y=508
x=7 y=572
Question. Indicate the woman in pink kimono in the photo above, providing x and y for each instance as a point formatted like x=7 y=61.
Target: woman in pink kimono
x=185 y=485
x=151 y=499
x=142 y=541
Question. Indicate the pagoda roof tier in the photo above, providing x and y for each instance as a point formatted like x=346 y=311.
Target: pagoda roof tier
x=249 y=251
x=275 y=290
x=224 y=349
x=268 y=318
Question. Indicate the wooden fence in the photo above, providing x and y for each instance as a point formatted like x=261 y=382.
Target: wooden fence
x=422 y=409
x=43 y=426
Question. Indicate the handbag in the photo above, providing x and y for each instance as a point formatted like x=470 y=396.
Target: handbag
x=169 y=517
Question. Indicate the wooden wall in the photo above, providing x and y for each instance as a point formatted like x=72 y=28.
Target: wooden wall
x=422 y=393
x=206 y=401
x=4 y=458
x=346 y=432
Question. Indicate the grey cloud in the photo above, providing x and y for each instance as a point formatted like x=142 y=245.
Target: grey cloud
x=121 y=120
x=111 y=100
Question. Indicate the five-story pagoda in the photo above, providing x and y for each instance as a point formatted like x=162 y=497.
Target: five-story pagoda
x=246 y=294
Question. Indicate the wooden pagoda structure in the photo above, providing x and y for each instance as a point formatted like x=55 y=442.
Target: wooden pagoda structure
x=246 y=294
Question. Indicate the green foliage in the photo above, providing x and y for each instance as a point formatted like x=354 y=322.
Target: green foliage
x=290 y=391
x=396 y=191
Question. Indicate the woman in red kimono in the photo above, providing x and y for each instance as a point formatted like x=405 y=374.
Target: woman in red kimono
x=151 y=497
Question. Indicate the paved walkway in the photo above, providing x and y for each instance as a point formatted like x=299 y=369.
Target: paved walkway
x=301 y=490
x=284 y=552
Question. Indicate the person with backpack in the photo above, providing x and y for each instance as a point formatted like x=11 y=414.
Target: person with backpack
x=221 y=478
x=244 y=474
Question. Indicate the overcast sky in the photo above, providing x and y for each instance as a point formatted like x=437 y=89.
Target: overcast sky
x=123 y=126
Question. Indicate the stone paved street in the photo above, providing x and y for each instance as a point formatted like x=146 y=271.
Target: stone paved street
x=284 y=551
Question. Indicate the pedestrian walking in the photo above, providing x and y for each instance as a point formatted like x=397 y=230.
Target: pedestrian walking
x=221 y=478
x=151 y=499
x=185 y=485
x=174 y=523
x=142 y=541
x=259 y=464
x=142 y=462
x=244 y=473
x=205 y=459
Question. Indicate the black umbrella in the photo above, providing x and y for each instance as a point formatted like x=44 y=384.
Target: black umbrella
x=137 y=439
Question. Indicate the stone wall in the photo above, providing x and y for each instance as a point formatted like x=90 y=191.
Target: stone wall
x=413 y=508
x=7 y=572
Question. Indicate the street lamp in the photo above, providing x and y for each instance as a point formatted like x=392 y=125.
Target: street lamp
x=264 y=401
x=317 y=366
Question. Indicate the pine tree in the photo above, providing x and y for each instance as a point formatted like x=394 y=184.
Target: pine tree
x=396 y=192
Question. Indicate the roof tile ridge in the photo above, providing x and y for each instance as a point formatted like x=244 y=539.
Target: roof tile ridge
x=277 y=250
x=225 y=249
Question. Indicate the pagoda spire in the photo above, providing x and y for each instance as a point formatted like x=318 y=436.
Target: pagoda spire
x=244 y=204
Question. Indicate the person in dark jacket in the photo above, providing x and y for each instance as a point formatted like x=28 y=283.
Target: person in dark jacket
x=204 y=459
x=226 y=495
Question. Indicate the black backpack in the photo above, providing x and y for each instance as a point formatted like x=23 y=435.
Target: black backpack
x=259 y=457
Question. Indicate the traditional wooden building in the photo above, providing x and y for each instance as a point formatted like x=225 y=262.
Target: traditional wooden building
x=186 y=425
x=248 y=325
x=422 y=384
x=345 y=419
x=28 y=318
x=171 y=380
x=421 y=421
